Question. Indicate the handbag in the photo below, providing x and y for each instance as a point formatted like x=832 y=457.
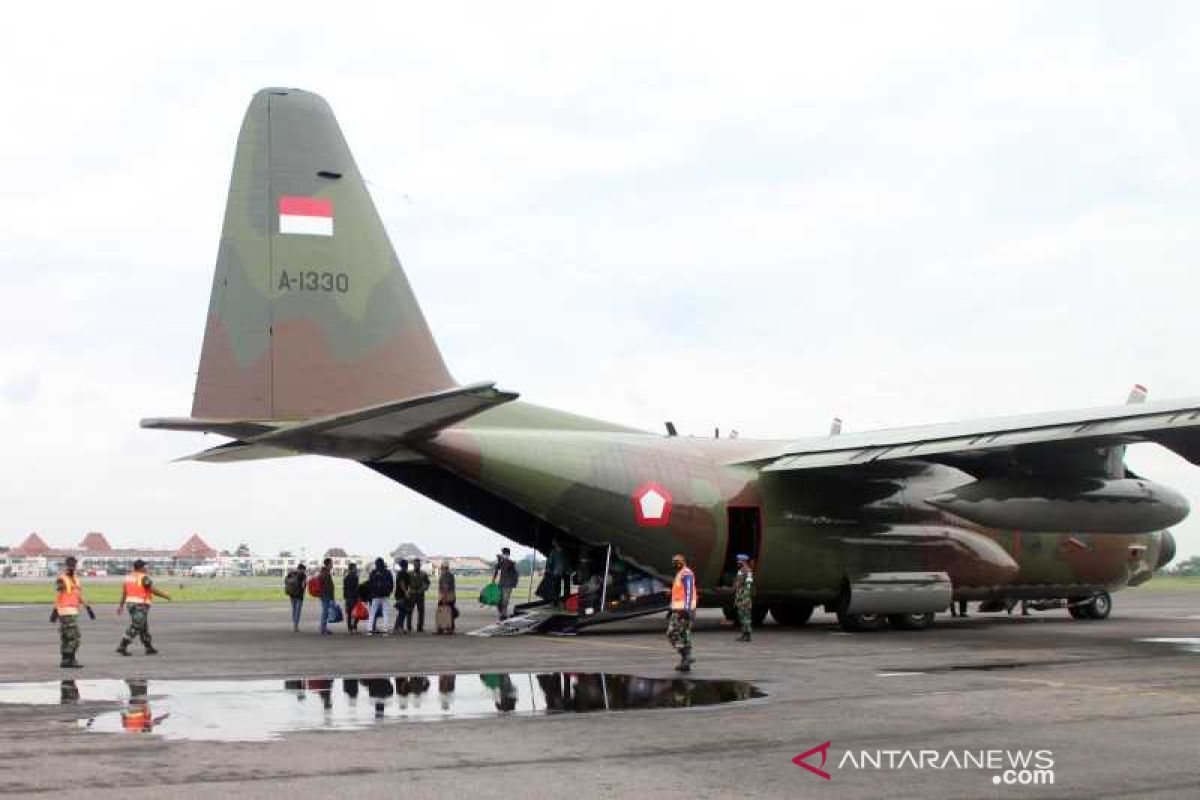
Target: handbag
x=360 y=611
x=490 y=595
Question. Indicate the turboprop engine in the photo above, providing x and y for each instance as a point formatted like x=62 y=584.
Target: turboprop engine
x=1078 y=505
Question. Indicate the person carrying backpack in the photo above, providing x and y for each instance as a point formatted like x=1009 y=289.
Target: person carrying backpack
x=294 y=585
x=380 y=584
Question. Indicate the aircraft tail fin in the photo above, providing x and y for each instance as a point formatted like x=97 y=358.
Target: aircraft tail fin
x=310 y=313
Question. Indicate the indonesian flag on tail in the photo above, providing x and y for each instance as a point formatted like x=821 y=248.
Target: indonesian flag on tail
x=307 y=215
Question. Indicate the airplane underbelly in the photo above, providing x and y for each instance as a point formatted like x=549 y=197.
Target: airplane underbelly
x=817 y=560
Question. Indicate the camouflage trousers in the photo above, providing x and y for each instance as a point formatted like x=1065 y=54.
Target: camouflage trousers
x=68 y=634
x=744 y=614
x=139 y=623
x=679 y=630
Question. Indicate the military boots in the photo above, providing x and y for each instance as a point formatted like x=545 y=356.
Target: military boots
x=685 y=660
x=123 y=647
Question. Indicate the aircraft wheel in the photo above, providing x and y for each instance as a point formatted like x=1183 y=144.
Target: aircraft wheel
x=911 y=622
x=1100 y=607
x=792 y=614
x=860 y=623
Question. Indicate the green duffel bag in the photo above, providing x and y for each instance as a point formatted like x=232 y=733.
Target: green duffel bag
x=490 y=595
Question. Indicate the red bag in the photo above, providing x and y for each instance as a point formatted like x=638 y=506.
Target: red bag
x=360 y=611
x=314 y=586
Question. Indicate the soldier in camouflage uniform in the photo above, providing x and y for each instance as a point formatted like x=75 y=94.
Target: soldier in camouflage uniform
x=684 y=600
x=137 y=592
x=743 y=595
x=67 y=602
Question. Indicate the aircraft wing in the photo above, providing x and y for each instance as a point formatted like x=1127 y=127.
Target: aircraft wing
x=982 y=445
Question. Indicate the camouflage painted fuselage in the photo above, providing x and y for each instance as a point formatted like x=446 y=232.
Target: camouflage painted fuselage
x=532 y=474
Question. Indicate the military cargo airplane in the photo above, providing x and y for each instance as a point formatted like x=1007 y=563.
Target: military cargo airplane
x=315 y=344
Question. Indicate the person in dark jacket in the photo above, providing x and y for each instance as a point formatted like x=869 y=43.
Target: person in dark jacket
x=418 y=585
x=506 y=572
x=327 y=596
x=350 y=596
x=380 y=584
x=402 y=585
x=294 y=585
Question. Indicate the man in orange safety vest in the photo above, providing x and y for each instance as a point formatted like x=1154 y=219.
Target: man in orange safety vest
x=68 y=599
x=684 y=600
x=137 y=592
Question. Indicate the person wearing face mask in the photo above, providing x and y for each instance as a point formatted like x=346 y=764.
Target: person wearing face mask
x=684 y=601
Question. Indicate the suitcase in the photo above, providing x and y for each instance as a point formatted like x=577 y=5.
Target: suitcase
x=445 y=618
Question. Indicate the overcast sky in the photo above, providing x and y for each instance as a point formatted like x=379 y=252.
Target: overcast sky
x=757 y=217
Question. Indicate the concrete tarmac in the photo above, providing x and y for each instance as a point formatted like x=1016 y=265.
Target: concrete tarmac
x=1119 y=716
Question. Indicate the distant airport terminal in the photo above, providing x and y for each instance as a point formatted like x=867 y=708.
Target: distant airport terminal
x=34 y=558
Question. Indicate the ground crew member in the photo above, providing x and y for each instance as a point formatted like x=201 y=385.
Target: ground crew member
x=137 y=592
x=743 y=595
x=683 y=608
x=68 y=599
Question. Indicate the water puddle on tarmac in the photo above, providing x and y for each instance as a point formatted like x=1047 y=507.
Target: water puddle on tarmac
x=262 y=710
x=1186 y=644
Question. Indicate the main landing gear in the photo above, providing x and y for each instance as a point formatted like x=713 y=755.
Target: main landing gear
x=1098 y=606
x=856 y=623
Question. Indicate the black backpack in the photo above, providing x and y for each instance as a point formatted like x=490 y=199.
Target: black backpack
x=293 y=584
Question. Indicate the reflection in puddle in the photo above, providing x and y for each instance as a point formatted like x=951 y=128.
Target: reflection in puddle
x=1186 y=644
x=257 y=710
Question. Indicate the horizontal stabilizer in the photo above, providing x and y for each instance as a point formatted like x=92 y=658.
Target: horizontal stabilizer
x=238 y=451
x=234 y=429
x=373 y=433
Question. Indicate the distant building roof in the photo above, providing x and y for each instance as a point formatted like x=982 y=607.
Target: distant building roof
x=96 y=543
x=408 y=550
x=472 y=563
x=33 y=545
x=195 y=547
x=335 y=552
